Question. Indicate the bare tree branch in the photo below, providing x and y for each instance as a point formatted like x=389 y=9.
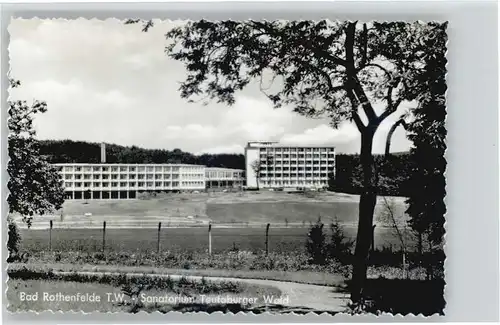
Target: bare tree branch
x=391 y=132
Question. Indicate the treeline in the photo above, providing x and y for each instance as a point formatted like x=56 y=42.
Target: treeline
x=67 y=151
x=393 y=171
x=392 y=174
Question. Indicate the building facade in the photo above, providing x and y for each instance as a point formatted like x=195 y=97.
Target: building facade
x=125 y=181
x=216 y=177
x=271 y=165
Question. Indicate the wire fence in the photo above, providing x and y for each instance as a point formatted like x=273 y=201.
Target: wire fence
x=210 y=238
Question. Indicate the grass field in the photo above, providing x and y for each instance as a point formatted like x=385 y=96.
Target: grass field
x=238 y=222
x=182 y=239
x=184 y=210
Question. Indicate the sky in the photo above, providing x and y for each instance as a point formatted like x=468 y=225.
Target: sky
x=105 y=81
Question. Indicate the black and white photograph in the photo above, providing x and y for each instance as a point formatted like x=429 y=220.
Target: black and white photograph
x=281 y=166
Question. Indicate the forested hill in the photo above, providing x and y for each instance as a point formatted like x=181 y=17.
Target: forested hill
x=393 y=172
x=67 y=151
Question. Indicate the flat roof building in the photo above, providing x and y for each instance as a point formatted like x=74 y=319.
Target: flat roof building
x=124 y=181
x=216 y=177
x=271 y=165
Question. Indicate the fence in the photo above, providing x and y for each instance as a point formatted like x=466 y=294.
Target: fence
x=210 y=238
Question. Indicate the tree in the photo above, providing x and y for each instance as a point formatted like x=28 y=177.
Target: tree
x=255 y=165
x=427 y=131
x=35 y=186
x=335 y=69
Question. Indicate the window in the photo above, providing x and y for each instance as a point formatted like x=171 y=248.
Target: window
x=114 y=169
x=78 y=184
x=105 y=169
x=149 y=184
x=68 y=184
x=105 y=176
x=114 y=176
x=123 y=169
x=140 y=176
x=158 y=184
x=123 y=176
x=86 y=184
x=140 y=184
x=78 y=169
x=123 y=184
x=114 y=184
x=166 y=184
x=86 y=176
x=68 y=176
x=141 y=168
x=105 y=184
x=131 y=176
x=150 y=168
x=149 y=176
x=96 y=169
x=88 y=169
x=167 y=169
x=97 y=184
x=132 y=169
x=158 y=176
x=158 y=169
x=68 y=169
x=175 y=184
x=166 y=176
x=96 y=176
x=131 y=184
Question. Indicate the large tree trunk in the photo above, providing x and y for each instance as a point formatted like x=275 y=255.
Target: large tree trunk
x=366 y=210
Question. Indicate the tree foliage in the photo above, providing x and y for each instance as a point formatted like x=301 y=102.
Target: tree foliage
x=427 y=131
x=35 y=185
x=67 y=151
x=393 y=174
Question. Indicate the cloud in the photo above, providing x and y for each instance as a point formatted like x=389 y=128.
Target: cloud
x=323 y=135
x=107 y=81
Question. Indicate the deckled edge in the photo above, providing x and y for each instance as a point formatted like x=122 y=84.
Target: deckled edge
x=339 y=314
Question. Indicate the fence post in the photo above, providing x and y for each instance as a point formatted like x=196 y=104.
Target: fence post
x=159 y=229
x=103 y=235
x=50 y=235
x=209 y=239
x=267 y=238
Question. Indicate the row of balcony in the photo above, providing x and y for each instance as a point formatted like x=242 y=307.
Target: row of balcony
x=97 y=185
x=297 y=149
x=95 y=169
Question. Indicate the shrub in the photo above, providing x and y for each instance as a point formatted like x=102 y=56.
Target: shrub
x=316 y=245
x=340 y=246
x=14 y=238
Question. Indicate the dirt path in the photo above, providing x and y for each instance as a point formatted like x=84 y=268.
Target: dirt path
x=311 y=297
x=301 y=296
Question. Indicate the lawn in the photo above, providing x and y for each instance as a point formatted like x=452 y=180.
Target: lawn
x=35 y=290
x=184 y=210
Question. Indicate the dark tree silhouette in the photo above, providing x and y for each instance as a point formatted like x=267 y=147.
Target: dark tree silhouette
x=338 y=70
x=427 y=131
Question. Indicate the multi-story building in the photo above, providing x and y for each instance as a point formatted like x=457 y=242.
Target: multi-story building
x=271 y=165
x=224 y=177
x=125 y=181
